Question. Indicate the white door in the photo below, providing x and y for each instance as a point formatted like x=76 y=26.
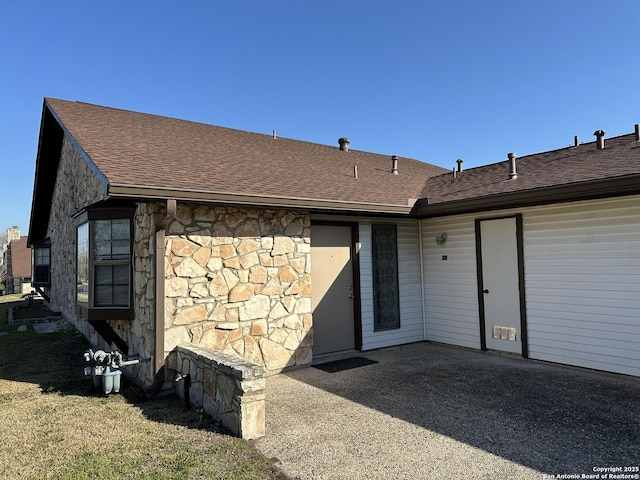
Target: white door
x=332 y=289
x=500 y=284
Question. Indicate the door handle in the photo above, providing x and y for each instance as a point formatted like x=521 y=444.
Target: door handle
x=351 y=295
x=486 y=290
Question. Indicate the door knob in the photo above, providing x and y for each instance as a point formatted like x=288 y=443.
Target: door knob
x=486 y=290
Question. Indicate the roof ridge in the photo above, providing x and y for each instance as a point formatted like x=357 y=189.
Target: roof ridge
x=233 y=129
x=543 y=152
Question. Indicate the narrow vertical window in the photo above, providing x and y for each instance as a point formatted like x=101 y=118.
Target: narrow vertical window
x=385 y=276
x=82 y=265
x=41 y=264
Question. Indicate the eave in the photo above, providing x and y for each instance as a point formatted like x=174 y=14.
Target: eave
x=589 y=190
x=141 y=192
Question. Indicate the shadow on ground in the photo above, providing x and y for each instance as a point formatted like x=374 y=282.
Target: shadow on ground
x=548 y=417
x=55 y=362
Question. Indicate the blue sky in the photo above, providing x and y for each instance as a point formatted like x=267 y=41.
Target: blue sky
x=429 y=80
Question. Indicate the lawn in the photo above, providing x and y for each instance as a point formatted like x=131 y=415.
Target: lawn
x=54 y=426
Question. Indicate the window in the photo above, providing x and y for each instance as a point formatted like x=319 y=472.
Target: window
x=82 y=265
x=103 y=266
x=41 y=275
x=386 y=306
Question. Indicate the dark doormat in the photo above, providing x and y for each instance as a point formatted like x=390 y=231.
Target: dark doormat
x=345 y=364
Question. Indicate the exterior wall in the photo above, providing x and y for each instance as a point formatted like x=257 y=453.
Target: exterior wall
x=25 y=287
x=451 y=295
x=409 y=285
x=238 y=280
x=139 y=333
x=582 y=278
x=409 y=282
x=76 y=188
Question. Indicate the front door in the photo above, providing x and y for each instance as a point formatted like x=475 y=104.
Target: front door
x=502 y=323
x=332 y=288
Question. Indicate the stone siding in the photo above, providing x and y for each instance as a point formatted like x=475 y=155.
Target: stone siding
x=238 y=281
x=226 y=387
x=139 y=333
x=76 y=187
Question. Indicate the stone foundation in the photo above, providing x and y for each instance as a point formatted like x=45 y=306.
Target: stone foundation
x=226 y=387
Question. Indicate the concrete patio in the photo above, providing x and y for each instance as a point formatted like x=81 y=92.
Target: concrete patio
x=433 y=411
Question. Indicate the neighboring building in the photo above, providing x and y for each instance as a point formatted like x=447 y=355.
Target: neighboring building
x=18 y=266
x=154 y=232
x=12 y=233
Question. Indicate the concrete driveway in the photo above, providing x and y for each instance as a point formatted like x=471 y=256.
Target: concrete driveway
x=436 y=412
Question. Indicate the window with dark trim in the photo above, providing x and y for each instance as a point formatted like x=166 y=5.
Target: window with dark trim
x=386 y=305
x=41 y=276
x=103 y=264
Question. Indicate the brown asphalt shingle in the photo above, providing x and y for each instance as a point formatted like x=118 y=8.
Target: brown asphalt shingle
x=142 y=150
x=139 y=149
x=566 y=166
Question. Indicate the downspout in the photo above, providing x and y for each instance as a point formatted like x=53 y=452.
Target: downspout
x=424 y=312
x=158 y=354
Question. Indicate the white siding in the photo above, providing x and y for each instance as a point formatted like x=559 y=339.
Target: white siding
x=409 y=282
x=451 y=296
x=582 y=282
x=582 y=276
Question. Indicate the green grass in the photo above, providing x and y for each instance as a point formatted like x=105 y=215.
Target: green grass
x=54 y=426
x=23 y=310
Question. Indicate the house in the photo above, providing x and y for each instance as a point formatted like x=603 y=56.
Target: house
x=18 y=266
x=157 y=232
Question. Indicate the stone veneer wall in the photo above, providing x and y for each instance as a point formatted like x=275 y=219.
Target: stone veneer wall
x=139 y=333
x=238 y=281
x=77 y=187
x=226 y=387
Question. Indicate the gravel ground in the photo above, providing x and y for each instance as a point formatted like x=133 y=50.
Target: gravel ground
x=431 y=411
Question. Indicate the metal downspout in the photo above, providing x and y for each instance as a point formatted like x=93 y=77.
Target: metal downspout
x=424 y=313
x=158 y=355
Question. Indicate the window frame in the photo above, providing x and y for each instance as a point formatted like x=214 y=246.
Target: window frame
x=36 y=248
x=89 y=310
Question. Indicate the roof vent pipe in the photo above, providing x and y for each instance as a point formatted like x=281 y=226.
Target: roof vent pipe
x=394 y=164
x=455 y=174
x=344 y=144
x=599 y=138
x=459 y=162
x=512 y=166
x=637 y=132
x=576 y=141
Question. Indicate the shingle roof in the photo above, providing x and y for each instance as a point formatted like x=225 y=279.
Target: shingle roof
x=141 y=150
x=581 y=169
x=138 y=155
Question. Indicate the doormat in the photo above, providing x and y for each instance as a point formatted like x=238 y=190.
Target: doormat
x=345 y=364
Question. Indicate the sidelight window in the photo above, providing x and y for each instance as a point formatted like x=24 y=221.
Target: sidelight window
x=386 y=305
